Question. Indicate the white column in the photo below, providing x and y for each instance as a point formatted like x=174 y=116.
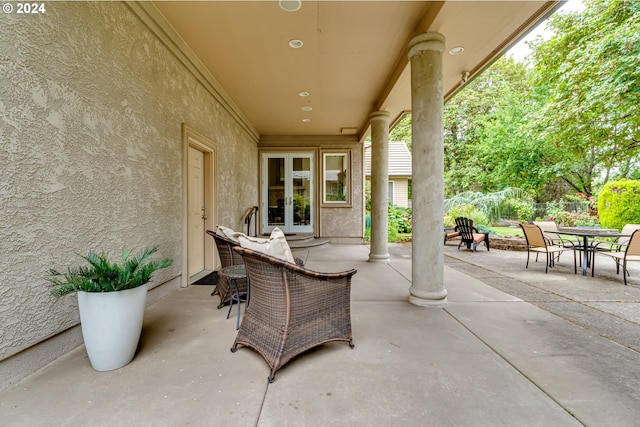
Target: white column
x=427 y=104
x=379 y=250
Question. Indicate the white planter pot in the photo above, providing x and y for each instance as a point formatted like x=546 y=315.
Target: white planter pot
x=111 y=325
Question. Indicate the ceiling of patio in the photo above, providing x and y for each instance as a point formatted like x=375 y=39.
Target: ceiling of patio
x=354 y=58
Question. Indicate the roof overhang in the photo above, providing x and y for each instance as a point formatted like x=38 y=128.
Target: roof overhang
x=353 y=60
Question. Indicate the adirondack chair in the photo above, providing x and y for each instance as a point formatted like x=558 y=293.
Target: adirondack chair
x=470 y=236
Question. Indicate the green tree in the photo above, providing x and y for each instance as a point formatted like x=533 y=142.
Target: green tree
x=402 y=130
x=485 y=147
x=568 y=122
x=590 y=125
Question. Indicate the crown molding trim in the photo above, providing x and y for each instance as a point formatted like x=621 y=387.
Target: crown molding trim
x=158 y=25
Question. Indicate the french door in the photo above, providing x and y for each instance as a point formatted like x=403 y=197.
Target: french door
x=288 y=192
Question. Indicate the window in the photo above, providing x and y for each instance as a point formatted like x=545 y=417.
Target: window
x=336 y=181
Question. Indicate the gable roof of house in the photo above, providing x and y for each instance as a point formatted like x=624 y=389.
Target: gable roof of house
x=399 y=160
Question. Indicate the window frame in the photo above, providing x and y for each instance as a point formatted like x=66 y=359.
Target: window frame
x=346 y=163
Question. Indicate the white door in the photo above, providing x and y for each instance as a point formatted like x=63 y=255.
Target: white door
x=288 y=192
x=196 y=211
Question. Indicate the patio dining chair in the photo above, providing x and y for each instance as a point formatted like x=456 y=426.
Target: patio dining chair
x=631 y=252
x=293 y=309
x=548 y=228
x=618 y=244
x=469 y=235
x=602 y=245
x=536 y=242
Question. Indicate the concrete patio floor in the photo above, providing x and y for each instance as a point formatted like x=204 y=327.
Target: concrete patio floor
x=511 y=347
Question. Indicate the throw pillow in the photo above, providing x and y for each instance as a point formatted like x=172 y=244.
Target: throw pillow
x=276 y=245
x=228 y=233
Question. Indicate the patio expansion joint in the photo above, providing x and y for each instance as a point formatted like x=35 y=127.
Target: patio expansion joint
x=408 y=279
x=508 y=362
x=262 y=403
x=602 y=328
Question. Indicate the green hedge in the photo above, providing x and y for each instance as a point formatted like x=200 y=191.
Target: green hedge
x=619 y=203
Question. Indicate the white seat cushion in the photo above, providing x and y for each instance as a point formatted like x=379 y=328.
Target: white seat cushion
x=276 y=245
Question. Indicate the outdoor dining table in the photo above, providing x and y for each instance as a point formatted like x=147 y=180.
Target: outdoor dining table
x=586 y=234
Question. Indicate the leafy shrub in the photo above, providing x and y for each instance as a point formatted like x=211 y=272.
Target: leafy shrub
x=469 y=211
x=489 y=203
x=555 y=210
x=571 y=219
x=524 y=209
x=619 y=203
x=592 y=201
x=399 y=221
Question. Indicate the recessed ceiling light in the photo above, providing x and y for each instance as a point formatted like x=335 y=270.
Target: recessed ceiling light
x=456 y=50
x=306 y=120
x=295 y=43
x=290 y=5
x=303 y=94
x=307 y=108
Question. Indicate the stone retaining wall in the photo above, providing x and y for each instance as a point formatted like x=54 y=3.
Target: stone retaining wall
x=511 y=243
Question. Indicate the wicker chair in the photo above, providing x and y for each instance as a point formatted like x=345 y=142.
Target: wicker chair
x=292 y=309
x=227 y=258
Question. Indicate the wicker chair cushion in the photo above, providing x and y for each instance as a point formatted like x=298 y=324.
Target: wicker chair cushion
x=276 y=245
x=228 y=233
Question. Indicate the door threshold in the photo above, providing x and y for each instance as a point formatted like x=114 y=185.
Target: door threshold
x=199 y=275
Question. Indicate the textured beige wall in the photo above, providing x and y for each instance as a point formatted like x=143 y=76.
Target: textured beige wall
x=90 y=157
x=346 y=224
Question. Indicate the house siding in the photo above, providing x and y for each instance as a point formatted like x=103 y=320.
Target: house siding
x=92 y=105
x=399 y=171
x=401 y=192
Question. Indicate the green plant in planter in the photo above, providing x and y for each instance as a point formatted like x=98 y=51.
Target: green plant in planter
x=103 y=276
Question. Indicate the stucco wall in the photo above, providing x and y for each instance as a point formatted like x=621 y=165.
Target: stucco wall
x=92 y=105
x=346 y=224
